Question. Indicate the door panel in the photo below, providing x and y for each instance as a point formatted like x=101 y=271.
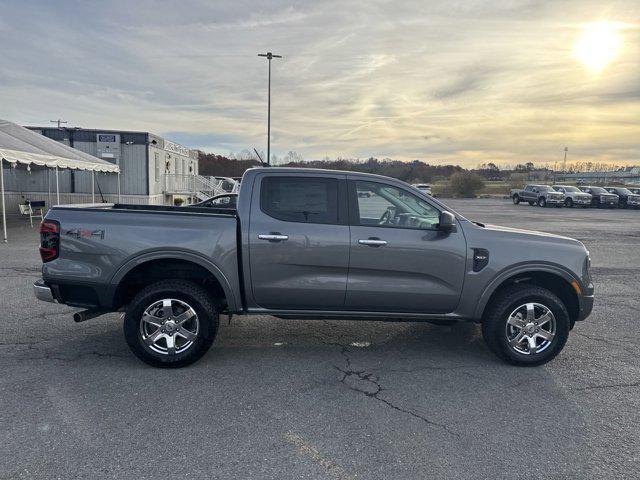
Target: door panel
x=419 y=269
x=416 y=271
x=308 y=269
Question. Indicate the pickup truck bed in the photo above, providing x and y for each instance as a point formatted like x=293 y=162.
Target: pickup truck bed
x=107 y=241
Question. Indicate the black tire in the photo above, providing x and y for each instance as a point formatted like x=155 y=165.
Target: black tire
x=542 y=202
x=516 y=199
x=182 y=291
x=568 y=203
x=532 y=203
x=494 y=324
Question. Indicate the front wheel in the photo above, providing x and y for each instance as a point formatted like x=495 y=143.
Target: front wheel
x=568 y=203
x=542 y=202
x=516 y=199
x=526 y=325
x=171 y=323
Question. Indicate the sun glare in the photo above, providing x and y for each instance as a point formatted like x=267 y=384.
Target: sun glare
x=598 y=45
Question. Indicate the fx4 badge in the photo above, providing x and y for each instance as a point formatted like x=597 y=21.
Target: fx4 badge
x=82 y=233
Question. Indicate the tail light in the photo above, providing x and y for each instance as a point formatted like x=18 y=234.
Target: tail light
x=49 y=240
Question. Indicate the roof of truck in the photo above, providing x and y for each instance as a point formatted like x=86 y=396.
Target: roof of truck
x=320 y=171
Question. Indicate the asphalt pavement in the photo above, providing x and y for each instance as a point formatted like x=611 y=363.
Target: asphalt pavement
x=285 y=399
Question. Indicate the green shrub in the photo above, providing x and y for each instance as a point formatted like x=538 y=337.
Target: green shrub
x=466 y=184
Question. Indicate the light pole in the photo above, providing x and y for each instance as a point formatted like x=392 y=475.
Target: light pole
x=269 y=56
x=564 y=162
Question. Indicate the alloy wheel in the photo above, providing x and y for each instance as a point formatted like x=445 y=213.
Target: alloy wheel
x=169 y=326
x=530 y=328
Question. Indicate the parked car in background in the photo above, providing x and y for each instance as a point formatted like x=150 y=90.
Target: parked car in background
x=225 y=200
x=304 y=244
x=634 y=190
x=600 y=197
x=573 y=196
x=542 y=195
x=423 y=187
x=627 y=199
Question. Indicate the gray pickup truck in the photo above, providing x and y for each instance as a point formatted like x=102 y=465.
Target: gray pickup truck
x=312 y=244
x=542 y=195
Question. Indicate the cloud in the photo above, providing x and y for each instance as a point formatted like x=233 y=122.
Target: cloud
x=444 y=81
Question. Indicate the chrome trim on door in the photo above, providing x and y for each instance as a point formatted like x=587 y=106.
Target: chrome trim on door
x=272 y=237
x=372 y=242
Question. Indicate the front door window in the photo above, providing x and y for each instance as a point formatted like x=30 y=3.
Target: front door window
x=387 y=206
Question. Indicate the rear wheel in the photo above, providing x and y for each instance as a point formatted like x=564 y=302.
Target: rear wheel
x=568 y=203
x=171 y=323
x=542 y=202
x=516 y=199
x=526 y=325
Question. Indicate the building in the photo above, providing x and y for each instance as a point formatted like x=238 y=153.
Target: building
x=153 y=171
x=144 y=160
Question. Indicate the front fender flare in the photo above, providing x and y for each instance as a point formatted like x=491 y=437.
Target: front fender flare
x=512 y=271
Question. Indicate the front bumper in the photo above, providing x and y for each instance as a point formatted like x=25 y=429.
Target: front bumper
x=585 y=306
x=43 y=292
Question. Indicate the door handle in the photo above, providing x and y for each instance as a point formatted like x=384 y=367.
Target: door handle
x=372 y=242
x=273 y=237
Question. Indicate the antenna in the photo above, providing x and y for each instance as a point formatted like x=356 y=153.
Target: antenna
x=260 y=158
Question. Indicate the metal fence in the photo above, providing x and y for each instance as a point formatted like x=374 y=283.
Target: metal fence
x=197 y=185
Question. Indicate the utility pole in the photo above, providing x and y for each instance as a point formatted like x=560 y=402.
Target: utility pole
x=59 y=122
x=269 y=56
x=564 y=162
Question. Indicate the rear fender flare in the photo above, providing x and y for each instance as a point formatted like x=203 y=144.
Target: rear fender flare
x=175 y=255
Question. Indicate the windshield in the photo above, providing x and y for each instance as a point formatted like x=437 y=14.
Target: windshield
x=544 y=188
x=571 y=189
x=624 y=191
x=598 y=190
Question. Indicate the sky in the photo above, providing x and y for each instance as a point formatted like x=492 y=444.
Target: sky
x=463 y=82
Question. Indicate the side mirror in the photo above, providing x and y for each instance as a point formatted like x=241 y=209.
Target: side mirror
x=447 y=222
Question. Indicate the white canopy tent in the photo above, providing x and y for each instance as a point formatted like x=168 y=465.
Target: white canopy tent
x=19 y=145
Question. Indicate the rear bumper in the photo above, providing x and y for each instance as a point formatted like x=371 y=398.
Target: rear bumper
x=43 y=292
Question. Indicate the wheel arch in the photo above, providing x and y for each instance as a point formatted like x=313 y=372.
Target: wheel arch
x=554 y=279
x=155 y=266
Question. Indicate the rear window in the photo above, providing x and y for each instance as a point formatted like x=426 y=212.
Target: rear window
x=300 y=199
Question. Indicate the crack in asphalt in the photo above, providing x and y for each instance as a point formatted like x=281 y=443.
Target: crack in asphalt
x=63 y=358
x=625 y=347
x=362 y=375
x=21 y=272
